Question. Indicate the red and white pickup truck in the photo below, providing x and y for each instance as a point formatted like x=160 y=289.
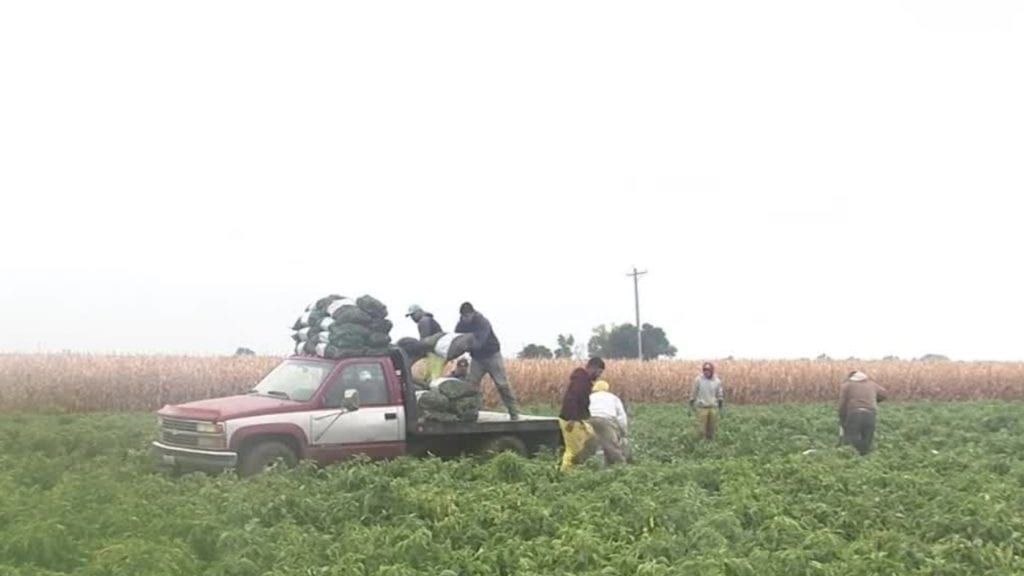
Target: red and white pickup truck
x=327 y=410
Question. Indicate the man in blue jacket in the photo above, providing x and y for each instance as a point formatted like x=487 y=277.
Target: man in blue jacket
x=486 y=355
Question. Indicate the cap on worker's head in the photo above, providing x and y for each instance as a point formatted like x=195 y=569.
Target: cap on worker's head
x=414 y=309
x=858 y=376
x=600 y=386
x=466 y=308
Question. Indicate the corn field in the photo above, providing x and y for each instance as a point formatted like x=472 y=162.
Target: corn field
x=89 y=383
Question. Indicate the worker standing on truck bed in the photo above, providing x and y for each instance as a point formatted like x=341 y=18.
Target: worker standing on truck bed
x=707 y=398
x=486 y=355
x=858 y=407
x=427 y=326
x=573 y=419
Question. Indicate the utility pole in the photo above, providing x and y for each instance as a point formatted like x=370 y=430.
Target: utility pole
x=636 y=299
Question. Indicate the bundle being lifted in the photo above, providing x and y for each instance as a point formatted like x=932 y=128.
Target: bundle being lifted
x=338 y=327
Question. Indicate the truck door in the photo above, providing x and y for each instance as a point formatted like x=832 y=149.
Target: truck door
x=377 y=428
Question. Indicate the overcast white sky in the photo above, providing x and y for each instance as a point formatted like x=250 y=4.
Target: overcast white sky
x=798 y=177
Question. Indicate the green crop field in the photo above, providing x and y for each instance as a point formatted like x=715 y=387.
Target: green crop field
x=943 y=494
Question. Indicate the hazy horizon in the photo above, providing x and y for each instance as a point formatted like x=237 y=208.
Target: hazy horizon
x=798 y=178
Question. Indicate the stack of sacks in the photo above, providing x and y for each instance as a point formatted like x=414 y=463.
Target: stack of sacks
x=338 y=327
x=449 y=400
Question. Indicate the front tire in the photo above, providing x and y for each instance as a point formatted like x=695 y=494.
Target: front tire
x=266 y=456
x=504 y=444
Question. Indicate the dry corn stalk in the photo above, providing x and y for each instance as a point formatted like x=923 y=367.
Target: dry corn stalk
x=83 y=383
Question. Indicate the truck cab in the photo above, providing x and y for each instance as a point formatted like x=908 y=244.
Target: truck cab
x=311 y=408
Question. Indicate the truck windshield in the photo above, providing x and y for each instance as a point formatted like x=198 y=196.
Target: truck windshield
x=294 y=380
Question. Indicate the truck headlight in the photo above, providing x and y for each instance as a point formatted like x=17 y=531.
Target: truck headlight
x=216 y=442
x=210 y=427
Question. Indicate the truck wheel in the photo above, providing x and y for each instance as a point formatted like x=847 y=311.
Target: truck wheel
x=265 y=456
x=504 y=444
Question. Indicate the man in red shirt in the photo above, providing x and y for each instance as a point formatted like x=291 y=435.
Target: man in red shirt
x=577 y=434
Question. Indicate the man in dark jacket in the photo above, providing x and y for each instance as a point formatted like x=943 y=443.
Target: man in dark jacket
x=577 y=433
x=486 y=355
x=425 y=323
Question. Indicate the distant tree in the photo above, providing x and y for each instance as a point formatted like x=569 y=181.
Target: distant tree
x=619 y=341
x=566 y=342
x=598 y=342
x=244 y=352
x=891 y=358
x=823 y=357
x=531 y=351
x=934 y=358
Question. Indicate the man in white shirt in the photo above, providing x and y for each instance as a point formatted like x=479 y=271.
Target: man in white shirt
x=608 y=417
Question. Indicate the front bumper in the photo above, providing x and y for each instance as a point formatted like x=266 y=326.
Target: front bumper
x=176 y=457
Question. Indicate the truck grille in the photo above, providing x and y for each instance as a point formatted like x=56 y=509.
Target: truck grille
x=183 y=425
x=170 y=437
x=185 y=433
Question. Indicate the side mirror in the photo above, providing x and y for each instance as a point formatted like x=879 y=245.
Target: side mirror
x=351 y=400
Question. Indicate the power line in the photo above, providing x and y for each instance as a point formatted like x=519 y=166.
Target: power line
x=636 y=300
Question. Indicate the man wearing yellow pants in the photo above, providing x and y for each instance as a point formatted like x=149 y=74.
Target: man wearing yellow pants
x=577 y=433
x=707 y=398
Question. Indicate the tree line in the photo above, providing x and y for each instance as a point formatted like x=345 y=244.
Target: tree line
x=615 y=341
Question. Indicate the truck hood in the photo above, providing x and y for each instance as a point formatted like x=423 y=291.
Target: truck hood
x=227 y=408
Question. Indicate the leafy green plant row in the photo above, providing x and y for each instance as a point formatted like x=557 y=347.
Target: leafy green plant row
x=942 y=494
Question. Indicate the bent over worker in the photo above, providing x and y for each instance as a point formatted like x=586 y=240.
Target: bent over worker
x=486 y=356
x=708 y=399
x=608 y=417
x=427 y=327
x=858 y=406
x=577 y=433
x=436 y=351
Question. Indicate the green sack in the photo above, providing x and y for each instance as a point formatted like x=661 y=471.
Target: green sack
x=322 y=304
x=383 y=326
x=338 y=329
x=305 y=334
x=466 y=406
x=468 y=416
x=375 y=308
x=355 y=352
x=314 y=318
x=455 y=389
x=350 y=341
x=431 y=416
x=433 y=402
x=308 y=318
x=325 y=350
x=378 y=340
x=351 y=315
